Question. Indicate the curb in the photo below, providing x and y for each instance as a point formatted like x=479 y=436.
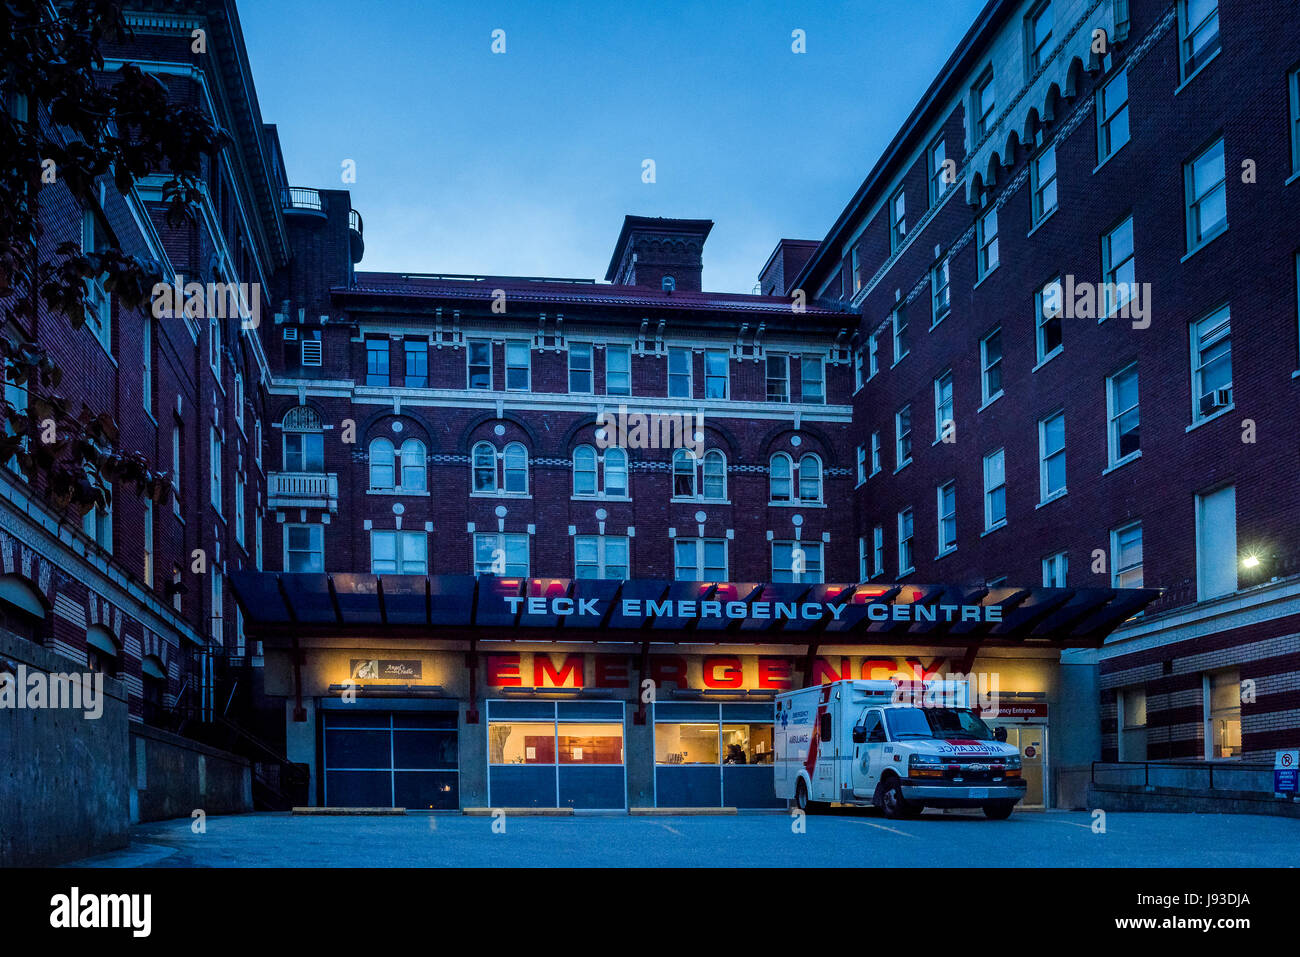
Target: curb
x=348 y=811
x=679 y=811
x=519 y=811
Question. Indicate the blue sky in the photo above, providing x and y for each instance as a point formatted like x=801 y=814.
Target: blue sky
x=524 y=163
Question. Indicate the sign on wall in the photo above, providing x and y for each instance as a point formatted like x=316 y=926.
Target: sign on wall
x=380 y=669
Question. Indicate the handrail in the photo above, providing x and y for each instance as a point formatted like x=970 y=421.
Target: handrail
x=354 y=222
x=301 y=197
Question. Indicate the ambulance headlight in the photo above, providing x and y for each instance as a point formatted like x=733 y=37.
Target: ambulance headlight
x=1012 y=762
x=928 y=759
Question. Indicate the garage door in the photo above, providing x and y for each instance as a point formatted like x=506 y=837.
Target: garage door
x=390 y=759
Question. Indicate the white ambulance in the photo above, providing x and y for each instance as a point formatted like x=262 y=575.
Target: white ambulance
x=900 y=746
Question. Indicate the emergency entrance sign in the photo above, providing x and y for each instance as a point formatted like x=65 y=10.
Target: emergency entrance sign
x=1286 y=770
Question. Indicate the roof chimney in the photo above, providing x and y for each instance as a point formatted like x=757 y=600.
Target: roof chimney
x=658 y=252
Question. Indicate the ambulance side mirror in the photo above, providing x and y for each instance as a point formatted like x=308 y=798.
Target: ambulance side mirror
x=859 y=734
x=1000 y=734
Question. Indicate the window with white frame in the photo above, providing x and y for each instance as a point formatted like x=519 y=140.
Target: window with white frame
x=1038 y=36
x=501 y=553
x=1118 y=271
x=939 y=178
x=906 y=555
x=217 y=455
x=478 y=356
x=239 y=508
x=257 y=442
x=1206 y=182
x=986 y=229
x=239 y=400
x=148 y=542
x=618 y=370
x=716 y=373
x=791 y=484
x=99 y=302
x=778 y=377
x=1123 y=416
x=304 y=548
x=399 y=553
x=878 y=550
x=864 y=559
x=897 y=219
x=797 y=562
x=1042 y=181
x=146 y=372
x=859 y=368
x=946 y=509
x=1048 y=320
x=217 y=619
x=1293 y=81
x=1055 y=568
x=214 y=346
x=97 y=523
x=855 y=258
x=902 y=437
x=943 y=406
x=983 y=106
x=1112 y=116
x=812 y=380
x=1051 y=457
x=177 y=443
x=588 y=466
x=940 y=291
x=873 y=355
x=379 y=354
x=519 y=366
x=600 y=556
x=1216 y=543
x=303 y=441
x=875 y=452
x=862 y=465
x=416 y=360
x=1211 y=364
x=991 y=366
x=995 y=490
x=902 y=342
x=397 y=469
x=700 y=559
x=679 y=373
x=582 y=376
x=259 y=517
x=1198 y=34
x=1126 y=556
x=504 y=474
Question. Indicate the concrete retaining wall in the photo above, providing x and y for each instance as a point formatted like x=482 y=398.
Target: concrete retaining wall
x=1179 y=800
x=172 y=776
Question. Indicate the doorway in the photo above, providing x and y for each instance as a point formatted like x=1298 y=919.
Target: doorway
x=1031 y=741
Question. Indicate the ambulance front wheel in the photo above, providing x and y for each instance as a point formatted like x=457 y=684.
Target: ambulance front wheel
x=999 y=810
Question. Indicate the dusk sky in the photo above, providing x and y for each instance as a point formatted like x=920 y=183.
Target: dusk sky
x=524 y=163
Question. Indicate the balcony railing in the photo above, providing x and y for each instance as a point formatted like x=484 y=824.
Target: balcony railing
x=354 y=222
x=301 y=197
x=303 y=490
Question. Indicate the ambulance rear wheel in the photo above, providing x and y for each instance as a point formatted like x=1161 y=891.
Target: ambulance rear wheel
x=801 y=796
x=999 y=810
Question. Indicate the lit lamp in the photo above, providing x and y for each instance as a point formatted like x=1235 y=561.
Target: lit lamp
x=1250 y=561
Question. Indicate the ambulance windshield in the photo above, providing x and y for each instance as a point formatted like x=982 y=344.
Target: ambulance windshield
x=905 y=723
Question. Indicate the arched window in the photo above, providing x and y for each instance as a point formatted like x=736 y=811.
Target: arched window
x=810 y=478
x=154 y=689
x=102 y=650
x=304 y=440
x=382 y=467
x=516 y=469
x=616 y=473
x=683 y=474
x=239 y=399
x=485 y=467
x=715 y=475
x=22 y=610
x=413 y=479
x=584 y=470
x=779 y=474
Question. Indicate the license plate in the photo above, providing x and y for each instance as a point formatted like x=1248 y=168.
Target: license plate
x=979 y=792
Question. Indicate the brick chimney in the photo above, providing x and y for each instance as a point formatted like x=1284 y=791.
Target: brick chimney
x=651 y=249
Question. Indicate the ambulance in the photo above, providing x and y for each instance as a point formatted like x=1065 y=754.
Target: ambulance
x=899 y=746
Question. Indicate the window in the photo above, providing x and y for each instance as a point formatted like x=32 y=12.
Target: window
x=991 y=366
x=1051 y=457
x=902 y=437
x=146 y=374
x=864 y=560
x=939 y=178
x=412 y=466
x=810 y=479
x=239 y=508
x=257 y=442
x=304 y=548
x=239 y=401
x=1042 y=178
x=873 y=356
x=995 y=490
x=218 y=454
x=684 y=474
x=797 y=562
x=897 y=220
x=581 y=370
x=417 y=364
x=479 y=356
x=942 y=405
x=1222 y=695
x=97 y=523
x=383 y=467
x=812 y=379
x=176 y=580
x=856 y=259
x=304 y=444
x=715 y=476
x=715 y=373
x=1118 y=272
x=519 y=366
x=1294 y=82
x=1216 y=543
x=1055 y=568
x=1198 y=34
x=878 y=550
x=875 y=452
x=177 y=444
x=1126 y=556
x=498 y=553
x=1122 y=415
x=679 y=373
x=397 y=470
x=214 y=347
x=258 y=518
x=1047 y=318
x=515 y=467
x=778 y=378
x=787 y=488
x=983 y=105
x=1211 y=364
x=1038 y=35
x=218 y=606
x=946 y=496
x=304 y=351
x=859 y=369
x=1207 y=196
x=586 y=465
x=584 y=470
x=862 y=465
x=99 y=302
x=618 y=370
x=1112 y=116
x=377 y=362
x=148 y=541
x=600 y=556
x=399 y=553
x=906 y=558
x=700 y=559
x=902 y=345
x=987 y=230
x=513 y=479
x=940 y=292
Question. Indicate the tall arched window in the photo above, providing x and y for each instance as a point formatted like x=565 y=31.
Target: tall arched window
x=715 y=475
x=516 y=469
x=616 y=473
x=779 y=478
x=412 y=476
x=304 y=440
x=484 y=459
x=810 y=478
x=382 y=467
x=584 y=470
x=683 y=474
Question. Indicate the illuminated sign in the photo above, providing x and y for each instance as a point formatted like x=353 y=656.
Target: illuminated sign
x=371 y=669
x=738 y=610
